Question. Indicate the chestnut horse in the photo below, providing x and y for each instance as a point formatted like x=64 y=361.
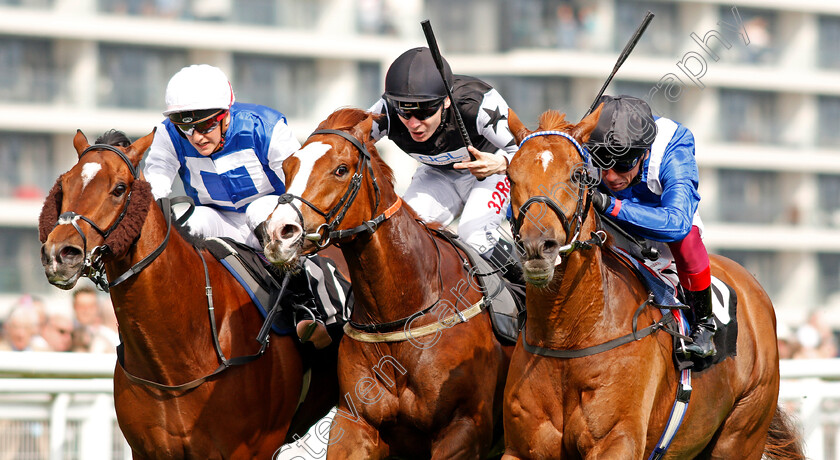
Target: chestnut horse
x=108 y=219
x=404 y=394
x=615 y=404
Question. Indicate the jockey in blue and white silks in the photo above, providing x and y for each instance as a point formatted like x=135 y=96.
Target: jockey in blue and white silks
x=232 y=173
x=649 y=181
x=229 y=157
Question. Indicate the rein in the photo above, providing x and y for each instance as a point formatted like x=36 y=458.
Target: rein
x=224 y=362
x=326 y=231
x=582 y=205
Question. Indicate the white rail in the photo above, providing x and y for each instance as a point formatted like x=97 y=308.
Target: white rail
x=59 y=406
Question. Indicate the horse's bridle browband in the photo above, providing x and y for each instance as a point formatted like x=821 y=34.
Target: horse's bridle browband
x=584 y=201
x=327 y=231
x=93 y=266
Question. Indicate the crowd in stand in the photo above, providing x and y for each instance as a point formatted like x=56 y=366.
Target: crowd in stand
x=87 y=325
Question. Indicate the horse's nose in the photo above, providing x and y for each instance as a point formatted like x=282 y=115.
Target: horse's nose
x=541 y=248
x=67 y=254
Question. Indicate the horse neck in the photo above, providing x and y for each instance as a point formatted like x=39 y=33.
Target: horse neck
x=395 y=271
x=155 y=307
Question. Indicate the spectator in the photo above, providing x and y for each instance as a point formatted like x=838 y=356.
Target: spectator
x=815 y=338
x=19 y=328
x=786 y=340
x=90 y=334
x=56 y=333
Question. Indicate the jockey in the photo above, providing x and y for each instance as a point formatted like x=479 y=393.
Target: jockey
x=648 y=185
x=447 y=184
x=229 y=157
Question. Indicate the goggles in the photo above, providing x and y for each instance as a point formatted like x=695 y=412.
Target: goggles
x=205 y=126
x=420 y=112
x=620 y=164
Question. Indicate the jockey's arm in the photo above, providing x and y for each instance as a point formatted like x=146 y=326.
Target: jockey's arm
x=281 y=146
x=671 y=220
x=162 y=163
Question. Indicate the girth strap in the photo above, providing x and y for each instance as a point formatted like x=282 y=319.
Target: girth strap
x=664 y=324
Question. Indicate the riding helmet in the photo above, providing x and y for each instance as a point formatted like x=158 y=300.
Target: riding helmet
x=625 y=130
x=414 y=78
x=197 y=92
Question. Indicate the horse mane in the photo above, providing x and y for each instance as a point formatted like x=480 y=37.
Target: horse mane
x=554 y=121
x=347 y=119
x=115 y=138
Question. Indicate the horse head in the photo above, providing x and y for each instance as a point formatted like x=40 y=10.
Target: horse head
x=85 y=215
x=550 y=177
x=332 y=189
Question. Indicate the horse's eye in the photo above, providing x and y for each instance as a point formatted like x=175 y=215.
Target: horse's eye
x=341 y=170
x=119 y=190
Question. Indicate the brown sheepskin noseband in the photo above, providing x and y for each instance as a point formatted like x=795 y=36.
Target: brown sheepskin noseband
x=123 y=236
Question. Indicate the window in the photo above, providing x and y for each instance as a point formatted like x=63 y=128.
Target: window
x=829 y=276
x=658 y=39
x=456 y=27
x=529 y=97
x=828 y=49
x=135 y=77
x=369 y=85
x=27 y=70
x=750 y=197
x=828 y=110
x=828 y=200
x=28 y=165
x=284 y=84
x=660 y=106
x=748 y=116
x=760 y=27
x=762 y=264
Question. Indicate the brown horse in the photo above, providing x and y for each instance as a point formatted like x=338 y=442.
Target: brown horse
x=615 y=404
x=244 y=412
x=404 y=393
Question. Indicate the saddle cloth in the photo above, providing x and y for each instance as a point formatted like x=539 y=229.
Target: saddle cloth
x=503 y=305
x=261 y=281
x=662 y=281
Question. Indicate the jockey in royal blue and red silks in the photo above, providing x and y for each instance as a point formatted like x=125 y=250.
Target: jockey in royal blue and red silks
x=649 y=183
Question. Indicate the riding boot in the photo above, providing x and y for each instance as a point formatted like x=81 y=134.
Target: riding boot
x=703 y=331
x=309 y=318
x=501 y=257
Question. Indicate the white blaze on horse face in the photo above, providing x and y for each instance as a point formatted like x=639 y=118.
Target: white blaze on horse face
x=89 y=170
x=546 y=157
x=284 y=214
x=307 y=156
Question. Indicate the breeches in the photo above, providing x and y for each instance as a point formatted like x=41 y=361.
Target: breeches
x=692 y=261
x=440 y=195
x=209 y=222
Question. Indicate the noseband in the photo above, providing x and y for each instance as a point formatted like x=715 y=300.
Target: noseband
x=92 y=266
x=327 y=231
x=584 y=181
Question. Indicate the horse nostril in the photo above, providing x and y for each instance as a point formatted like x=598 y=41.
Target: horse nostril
x=45 y=259
x=70 y=255
x=549 y=246
x=289 y=231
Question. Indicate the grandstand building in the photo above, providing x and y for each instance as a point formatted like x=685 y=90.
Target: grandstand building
x=758 y=83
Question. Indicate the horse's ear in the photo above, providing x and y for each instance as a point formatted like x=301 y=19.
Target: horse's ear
x=363 y=128
x=80 y=142
x=582 y=130
x=136 y=150
x=517 y=128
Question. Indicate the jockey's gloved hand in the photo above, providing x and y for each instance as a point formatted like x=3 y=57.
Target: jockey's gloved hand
x=600 y=200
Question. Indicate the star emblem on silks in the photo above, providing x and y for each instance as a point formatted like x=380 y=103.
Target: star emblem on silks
x=495 y=117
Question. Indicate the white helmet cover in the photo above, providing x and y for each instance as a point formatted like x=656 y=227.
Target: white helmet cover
x=198 y=87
